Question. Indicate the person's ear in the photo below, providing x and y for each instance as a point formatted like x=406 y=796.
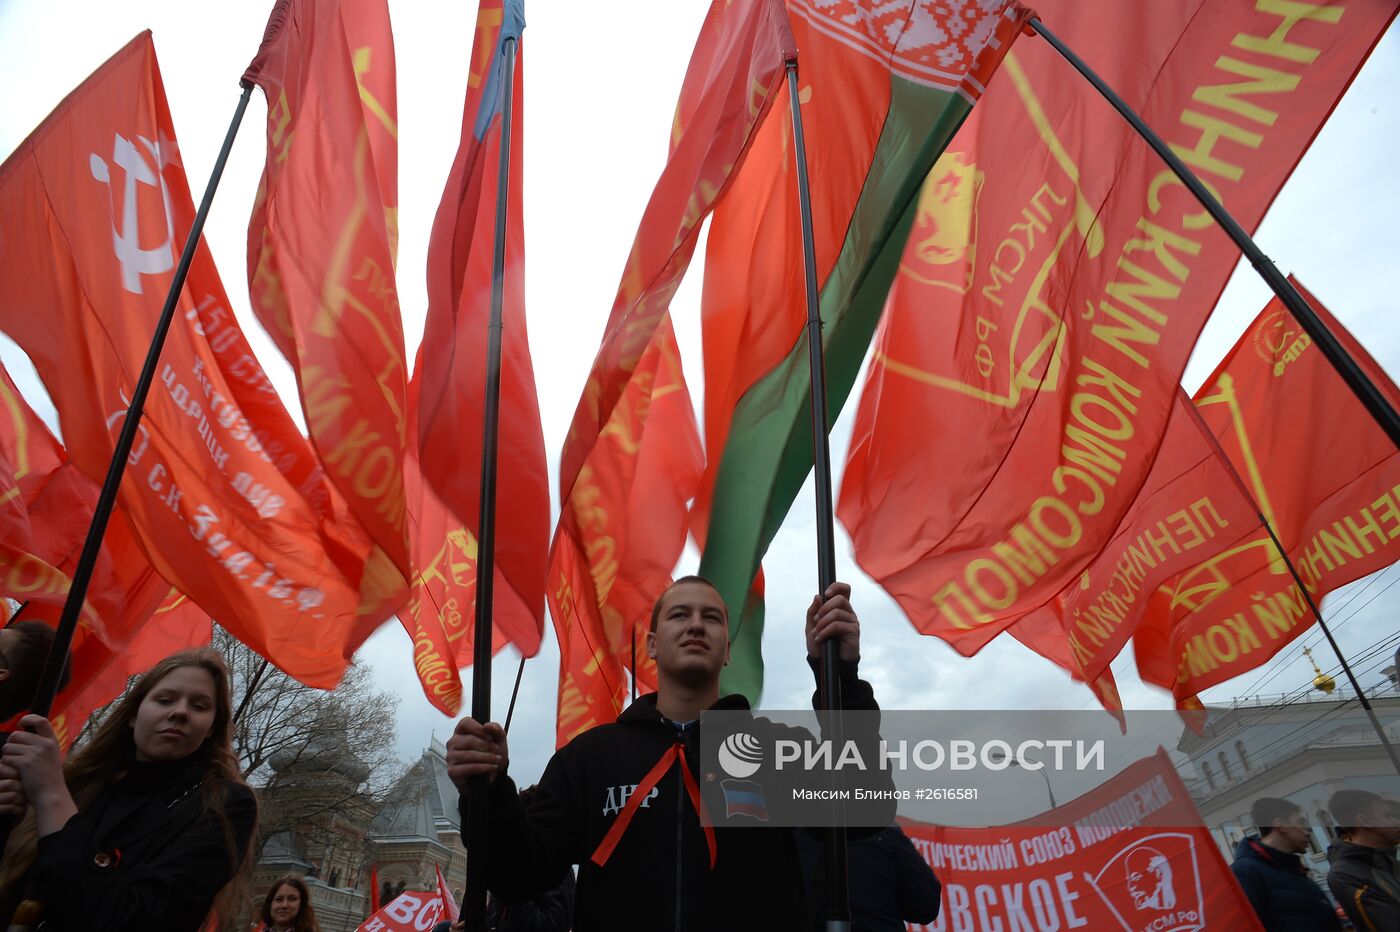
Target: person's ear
x=651 y=644
x=4 y=674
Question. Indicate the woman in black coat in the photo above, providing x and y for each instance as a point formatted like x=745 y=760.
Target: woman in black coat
x=147 y=826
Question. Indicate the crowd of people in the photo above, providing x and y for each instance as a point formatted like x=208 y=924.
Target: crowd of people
x=149 y=823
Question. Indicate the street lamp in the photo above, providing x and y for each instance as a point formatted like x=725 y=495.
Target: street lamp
x=1016 y=762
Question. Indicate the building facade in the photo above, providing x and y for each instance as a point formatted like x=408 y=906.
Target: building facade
x=1299 y=749
x=319 y=823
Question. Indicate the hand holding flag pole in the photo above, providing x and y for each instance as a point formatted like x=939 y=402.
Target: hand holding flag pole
x=474 y=898
x=838 y=911
x=47 y=689
x=1365 y=390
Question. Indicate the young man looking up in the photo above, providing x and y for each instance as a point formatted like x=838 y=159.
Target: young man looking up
x=653 y=866
x=1273 y=875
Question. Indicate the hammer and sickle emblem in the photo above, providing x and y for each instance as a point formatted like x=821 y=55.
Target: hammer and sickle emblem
x=126 y=229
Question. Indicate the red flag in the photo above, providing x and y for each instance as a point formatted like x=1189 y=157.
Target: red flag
x=46 y=505
x=1159 y=869
x=1191 y=508
x=1053 y=286
x=322 y=241
x=449 y=382
x=413 y=911
x=374 y=888
x=439 y=613
x=449 y=905
x=618 y=537
x=1321 y=470
x=223 y=494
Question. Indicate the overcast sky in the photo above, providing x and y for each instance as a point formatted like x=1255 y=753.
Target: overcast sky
x=600 y=89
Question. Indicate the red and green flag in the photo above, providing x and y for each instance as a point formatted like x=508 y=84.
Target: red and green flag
x=883 y=87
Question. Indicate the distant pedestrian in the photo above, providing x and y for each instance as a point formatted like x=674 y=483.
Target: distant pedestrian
x=1363 y=874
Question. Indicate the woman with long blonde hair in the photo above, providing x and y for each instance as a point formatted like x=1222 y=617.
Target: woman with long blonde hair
x=147 y=826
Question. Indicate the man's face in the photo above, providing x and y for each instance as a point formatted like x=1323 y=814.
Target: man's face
x=691 y=641
x=1381 y=820
x=1291 y=833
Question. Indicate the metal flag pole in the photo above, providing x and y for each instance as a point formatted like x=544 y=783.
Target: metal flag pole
x=837 y=913
x=1297 y=579
x=474 y=898
x=514 y=693
x=92 y=546
x=1370 y=396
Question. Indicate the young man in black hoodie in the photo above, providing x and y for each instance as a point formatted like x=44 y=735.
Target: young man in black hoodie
x=1274 y=877
x=1363 y=874
x=653 y=865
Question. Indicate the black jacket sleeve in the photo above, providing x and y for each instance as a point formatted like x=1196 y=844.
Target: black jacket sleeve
x=1366 y=905
x=856 y=693
x=919 y=889
x=172 y=888
x=531 y=852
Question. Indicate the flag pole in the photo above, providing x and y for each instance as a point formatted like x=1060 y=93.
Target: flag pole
x=837 y=912
x=474 y=897
x=510 y=710
x=1297 y=581
x=92 y=546
x=57 y=658
x=1365 y=390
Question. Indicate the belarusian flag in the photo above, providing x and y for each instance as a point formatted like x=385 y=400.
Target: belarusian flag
x=883 y=87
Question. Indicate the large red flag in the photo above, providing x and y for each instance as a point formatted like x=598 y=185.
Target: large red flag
x=618 y=534
x=221 y=490
x=1131 y=854
x=321 y=246
x=1321 y=471
x=449 y=382
x=1053 y=286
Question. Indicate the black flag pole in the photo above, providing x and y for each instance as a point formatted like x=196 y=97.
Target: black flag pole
x=474 y=899
x=1370 y=396
x=515 y=693
x=837 y=913
x=107 y=499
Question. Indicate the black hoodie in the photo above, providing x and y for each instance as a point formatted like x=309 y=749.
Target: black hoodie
x=659 y=875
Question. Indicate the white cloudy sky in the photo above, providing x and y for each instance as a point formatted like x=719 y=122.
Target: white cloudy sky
x=601 y=83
